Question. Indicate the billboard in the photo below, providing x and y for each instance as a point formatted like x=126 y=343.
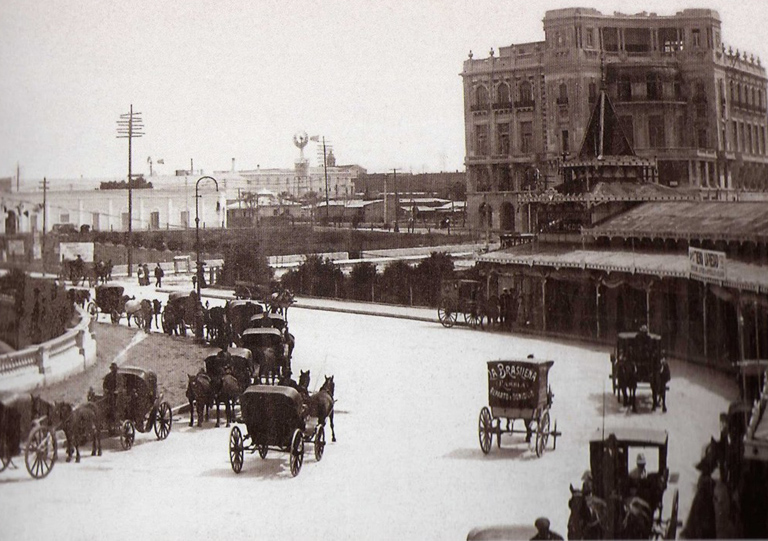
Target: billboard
x=68 y=251
x=706 y=264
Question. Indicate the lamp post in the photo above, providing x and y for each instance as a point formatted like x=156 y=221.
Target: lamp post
x=198 y=269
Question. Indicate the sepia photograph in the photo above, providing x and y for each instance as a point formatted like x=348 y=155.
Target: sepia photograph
x=437 y=269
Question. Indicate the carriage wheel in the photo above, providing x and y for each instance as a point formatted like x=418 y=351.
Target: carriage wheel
x=127 y=435
x=40 y=453
x=297 y=452
x=163 y=421
x=115 y=316
x=485 y=430
x=447 y=314
x=671 y=532
x=263 y=450
x=236 y=449
x=92 y=309
x=319 y=443
x=542 y=434
x=472 y=319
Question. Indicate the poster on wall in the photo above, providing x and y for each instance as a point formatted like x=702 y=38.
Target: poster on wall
x=68 y=251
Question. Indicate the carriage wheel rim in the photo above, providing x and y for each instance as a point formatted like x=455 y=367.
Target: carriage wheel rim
x=236 y=449
x=319 y=443
x=163 y=421
x=297 y=452
x=485 y=430
x=127 y=435
x=542 y=434
x=40 y=452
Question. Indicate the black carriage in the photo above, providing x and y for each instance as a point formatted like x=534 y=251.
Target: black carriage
x=643 y=349
x=238 y=361
x=182 y=312
x=240 y=312
x=259 y=340
x=23 y=431
x=518 y=389
x=267 y=320
x=77 y=272
x=461 y=297
x=611 y=456
x=276 y=419
x=133 y=405
x=110 y=300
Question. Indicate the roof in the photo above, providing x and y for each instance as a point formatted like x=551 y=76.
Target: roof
x=739 y=274
x=715 y=220
x=604 y=136
x=633 y=436
x=133 y=371
x=262 y=331
x=601 y=192
x=240 y=352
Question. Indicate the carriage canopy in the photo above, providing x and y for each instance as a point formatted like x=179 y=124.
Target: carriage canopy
x=272 y=413
x=518 y=384
x=108 y=298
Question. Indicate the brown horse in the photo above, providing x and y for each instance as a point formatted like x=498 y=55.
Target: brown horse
x=80 y=424
x=200 y=395
x=320 y=404
x=626 y=381
x=269 y=366
x=659 y=380
x=228 y=392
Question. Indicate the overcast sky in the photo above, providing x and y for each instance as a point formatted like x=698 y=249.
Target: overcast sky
x=221 y=80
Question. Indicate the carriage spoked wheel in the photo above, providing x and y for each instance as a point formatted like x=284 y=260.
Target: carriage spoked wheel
x=127 y=434
x=319 y=443
x=297 y=452
x=446 y=313
x=263 y=451
x=542 y=434
x=163 y=421
x=40 y=452
x=236 y=449
x=472 y=319
x=485 y=430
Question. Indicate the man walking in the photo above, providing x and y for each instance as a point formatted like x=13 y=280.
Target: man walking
x=159 y=276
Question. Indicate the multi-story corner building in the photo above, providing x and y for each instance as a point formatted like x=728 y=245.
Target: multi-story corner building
x=687 y=102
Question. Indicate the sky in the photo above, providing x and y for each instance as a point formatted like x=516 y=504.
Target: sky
x=214 y=81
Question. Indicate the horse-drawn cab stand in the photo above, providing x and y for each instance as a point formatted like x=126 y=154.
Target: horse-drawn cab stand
x=131 y=402
x=518 y=389
x=639 y=360
x=619 y=503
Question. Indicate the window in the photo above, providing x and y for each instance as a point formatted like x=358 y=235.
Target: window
x=696 y=37
x=154 y=220
x=590 y=38
x=526 y=94
x=637 y=40
x=503 y=139
x=624 y=88
x=653 y=87
x=481 y=140
x=656 y=131
x=749 y=139
x=628 y=127
x=124 y=217
x=564 y=146
x=762 y=140
x=526 y=137
x=481 y=96
x=64 y=218
x=669 y=39
x=701 y=137
x=681 y=131
x=503 y=93
x=592 y=92
x=611 y=39
x=184 y=219
x=95 y=225
x=563 y=94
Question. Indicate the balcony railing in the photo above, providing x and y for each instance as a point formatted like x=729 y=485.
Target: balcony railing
x=562 y=101
x=522 y=104
x=503 y=105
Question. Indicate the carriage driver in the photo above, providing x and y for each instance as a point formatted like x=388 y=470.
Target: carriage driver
x=110 y=390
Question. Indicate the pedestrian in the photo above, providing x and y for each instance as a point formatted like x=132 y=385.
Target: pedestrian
x=543 y=531
x=140 y=275
x=159 y=276
x=503 y=299
x=146 y=274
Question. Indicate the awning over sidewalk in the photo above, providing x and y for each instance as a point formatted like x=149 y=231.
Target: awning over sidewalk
x=739 y=275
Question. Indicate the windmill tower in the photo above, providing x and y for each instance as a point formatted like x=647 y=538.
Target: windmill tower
x=300 y=140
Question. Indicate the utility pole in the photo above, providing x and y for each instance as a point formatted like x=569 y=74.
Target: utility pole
x=397 y=199
x=130 y=127
x=325 y=172
x=17 y=176
x=45 y=218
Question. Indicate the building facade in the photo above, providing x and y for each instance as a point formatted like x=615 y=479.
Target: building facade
x=687 y=101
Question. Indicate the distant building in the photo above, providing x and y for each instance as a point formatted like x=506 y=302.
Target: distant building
x=688 y=103
x=443 y=184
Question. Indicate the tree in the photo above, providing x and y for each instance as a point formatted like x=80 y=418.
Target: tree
x=397 y=283
x=362 y=281
x=244 y=261
x=428 y=276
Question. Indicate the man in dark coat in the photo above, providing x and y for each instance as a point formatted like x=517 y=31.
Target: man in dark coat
x=543 y=531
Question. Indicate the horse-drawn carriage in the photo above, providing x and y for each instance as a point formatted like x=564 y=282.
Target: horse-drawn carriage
x=131 y=402
x=276 y=418
x=183 y=311
x=277 y=299
x=619 y=503
x=518 y=389
x=77 y=272
x=240 y=312
x=270 y=351
x=639 y=359
x=23 y=428
x=109 y=300
x=460 y=297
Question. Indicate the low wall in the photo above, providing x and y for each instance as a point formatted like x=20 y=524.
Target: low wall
x=53 y=361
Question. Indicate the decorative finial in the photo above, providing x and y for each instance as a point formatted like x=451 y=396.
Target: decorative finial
x=470 y=54
x=491 y=52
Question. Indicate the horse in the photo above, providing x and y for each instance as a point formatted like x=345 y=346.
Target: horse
x=228 y=392
x=659 y=380
x=302 y=386
x=141 y=311
x=588 y=518
x=200 y=395
x=157 y=309
x=637 y=521
x=215 y=322
x=269 y=365
x=320 y=404
x=701 y=522
x=490 y=309
x=627 y=382
x=80 y=423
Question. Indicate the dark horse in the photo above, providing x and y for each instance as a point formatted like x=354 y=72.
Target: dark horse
x=588 y=518
x=228 y=391
x=659 y=380
x=626 y=381
x=269 y=365
x=321 y=404
x=80 y=424
x=200 y=395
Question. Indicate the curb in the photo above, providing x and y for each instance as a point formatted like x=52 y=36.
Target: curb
x=365 y=313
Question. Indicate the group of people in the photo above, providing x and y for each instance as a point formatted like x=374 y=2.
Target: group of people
x=508 y=306
x=143 y=275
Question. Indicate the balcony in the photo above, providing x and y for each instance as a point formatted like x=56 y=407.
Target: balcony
x=562 y=101
x=479 y=107
x=525 y=104
x=502 y=105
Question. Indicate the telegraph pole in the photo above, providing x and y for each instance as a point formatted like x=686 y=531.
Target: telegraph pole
x=325 y=171
x=130 y=127
x=397 y=199
x=45 y=218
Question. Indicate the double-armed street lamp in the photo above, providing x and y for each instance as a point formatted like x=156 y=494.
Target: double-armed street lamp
x=198 y=270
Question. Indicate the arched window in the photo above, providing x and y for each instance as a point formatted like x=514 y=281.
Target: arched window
x=526 y=93
x=507 y=216
x=481 y=96
x=503 y=93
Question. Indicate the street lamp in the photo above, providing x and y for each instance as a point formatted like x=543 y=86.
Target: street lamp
x=198 y=270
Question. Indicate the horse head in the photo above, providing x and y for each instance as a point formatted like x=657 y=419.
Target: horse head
x=42 y=408
x=587 y=517
x=63 y=410
x=328 y=385
x=304 y=379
